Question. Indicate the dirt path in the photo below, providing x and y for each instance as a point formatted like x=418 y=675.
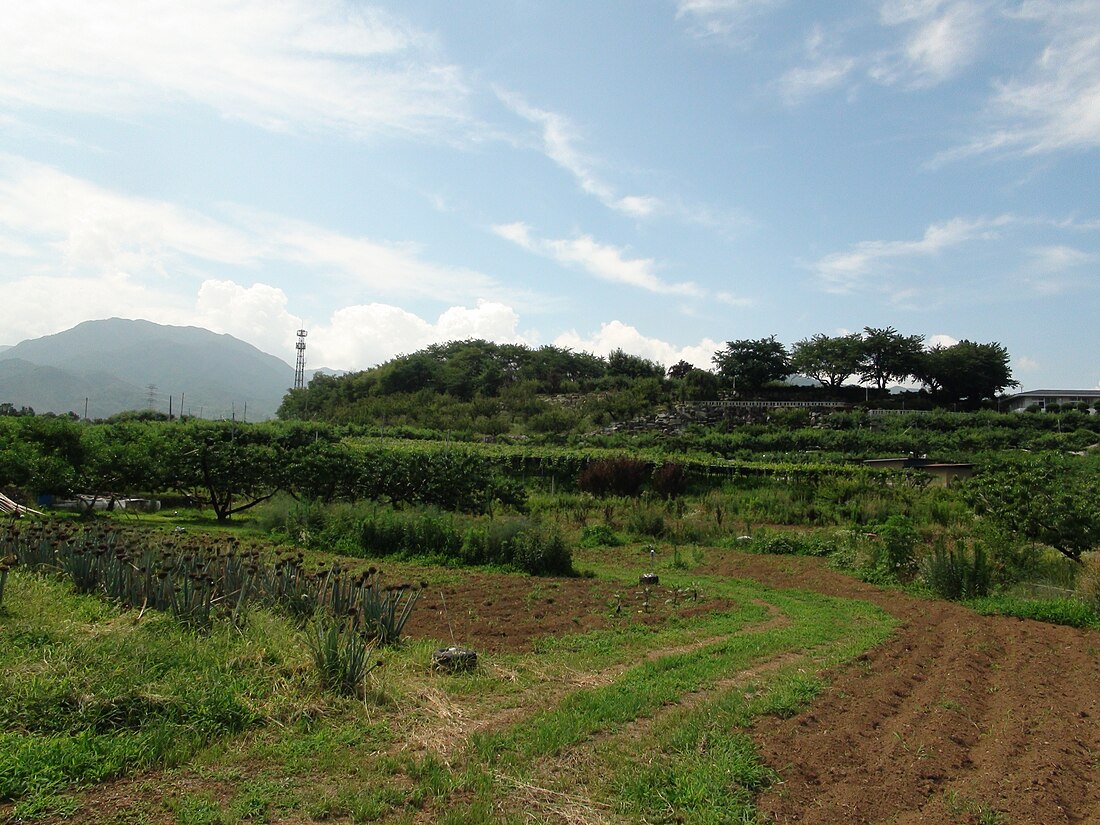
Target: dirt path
x=956 y=718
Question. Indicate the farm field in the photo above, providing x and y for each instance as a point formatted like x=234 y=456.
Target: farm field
x=742 y=688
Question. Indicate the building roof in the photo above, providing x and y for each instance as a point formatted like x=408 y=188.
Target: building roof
x=1093 y=393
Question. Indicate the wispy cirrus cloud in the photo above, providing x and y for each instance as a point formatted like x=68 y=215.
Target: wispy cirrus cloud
x=919 y=44
x=1055 y=104
x=940 y=38
x=297 y=66
x=822 y=71
x=728 y=20
x=845 y=272
x=609 y=263
x=559 y=142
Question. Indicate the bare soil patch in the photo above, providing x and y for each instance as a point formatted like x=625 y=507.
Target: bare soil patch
x=496 y=613
x=956 y=718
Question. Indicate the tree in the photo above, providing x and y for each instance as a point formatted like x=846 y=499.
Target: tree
x=831 y=360
x=1048 y=499
x=966 y=372
x=889 y=356
x=230 y=466
x=633 y=366
x=750 y=364
x=680 y=369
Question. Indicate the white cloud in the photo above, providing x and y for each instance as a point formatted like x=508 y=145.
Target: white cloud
x=941 y=340
x=724 y=19
x=617 y=335
x=602 y=260
x=844 y=272
x=1026 y=364
x=95 y=228
x=1054 y=106
x=257 y=314
x=559 y=143
x=928 y=43
x=357 y=337
x=294 y=65
x=72 y=244
x=804 y=81
x=944 y=40
x=729 y=299
x=1059 y=258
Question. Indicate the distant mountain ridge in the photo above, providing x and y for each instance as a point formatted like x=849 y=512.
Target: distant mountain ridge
x=119 y=364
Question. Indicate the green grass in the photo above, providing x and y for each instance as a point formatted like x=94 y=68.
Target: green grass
x=88 y=693
x=1066 y=611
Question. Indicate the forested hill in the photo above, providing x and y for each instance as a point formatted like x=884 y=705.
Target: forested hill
x=480 y=387
x=487 y=386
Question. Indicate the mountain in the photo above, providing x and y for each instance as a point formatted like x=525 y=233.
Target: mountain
x=119 y=365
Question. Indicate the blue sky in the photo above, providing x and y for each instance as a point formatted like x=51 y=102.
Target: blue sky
x=660 y=176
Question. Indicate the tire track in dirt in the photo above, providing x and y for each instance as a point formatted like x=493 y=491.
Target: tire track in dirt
x=956 y=717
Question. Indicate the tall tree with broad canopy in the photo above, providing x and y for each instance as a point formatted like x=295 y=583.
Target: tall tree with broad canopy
x=633 y=366
x=889 y=356
x=750 y=364
x=967 y=372
x=830 y=360
x=1044 y=498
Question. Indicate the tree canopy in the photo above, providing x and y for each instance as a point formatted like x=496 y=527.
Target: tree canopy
x=889 y=356
x=830 y=360
x=751 y=363
x=966 y=372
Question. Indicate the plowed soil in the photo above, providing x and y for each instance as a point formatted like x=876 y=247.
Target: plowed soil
x=957 y=718
x=510 y=613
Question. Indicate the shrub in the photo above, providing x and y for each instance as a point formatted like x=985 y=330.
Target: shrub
x=670 y=480
x=896 y=547
x=645 y=520
x=599 y=535
x=957 y=573
x=419 y=532
x=614 y=477
x=492 y=543
x=1088 y=580
x=789 y=543
x=541 y=550
x=528 y=546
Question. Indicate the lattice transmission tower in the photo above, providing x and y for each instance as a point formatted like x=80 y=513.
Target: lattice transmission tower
x=300 y=364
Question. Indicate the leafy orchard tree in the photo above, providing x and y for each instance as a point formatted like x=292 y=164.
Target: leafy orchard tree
x=750 y=364
x=966 y=372
x=831 y=360
x=889 y=356
x=231 y=467
x=1049 y=499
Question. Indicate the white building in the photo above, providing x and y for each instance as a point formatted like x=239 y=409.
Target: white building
x=1045 y=398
